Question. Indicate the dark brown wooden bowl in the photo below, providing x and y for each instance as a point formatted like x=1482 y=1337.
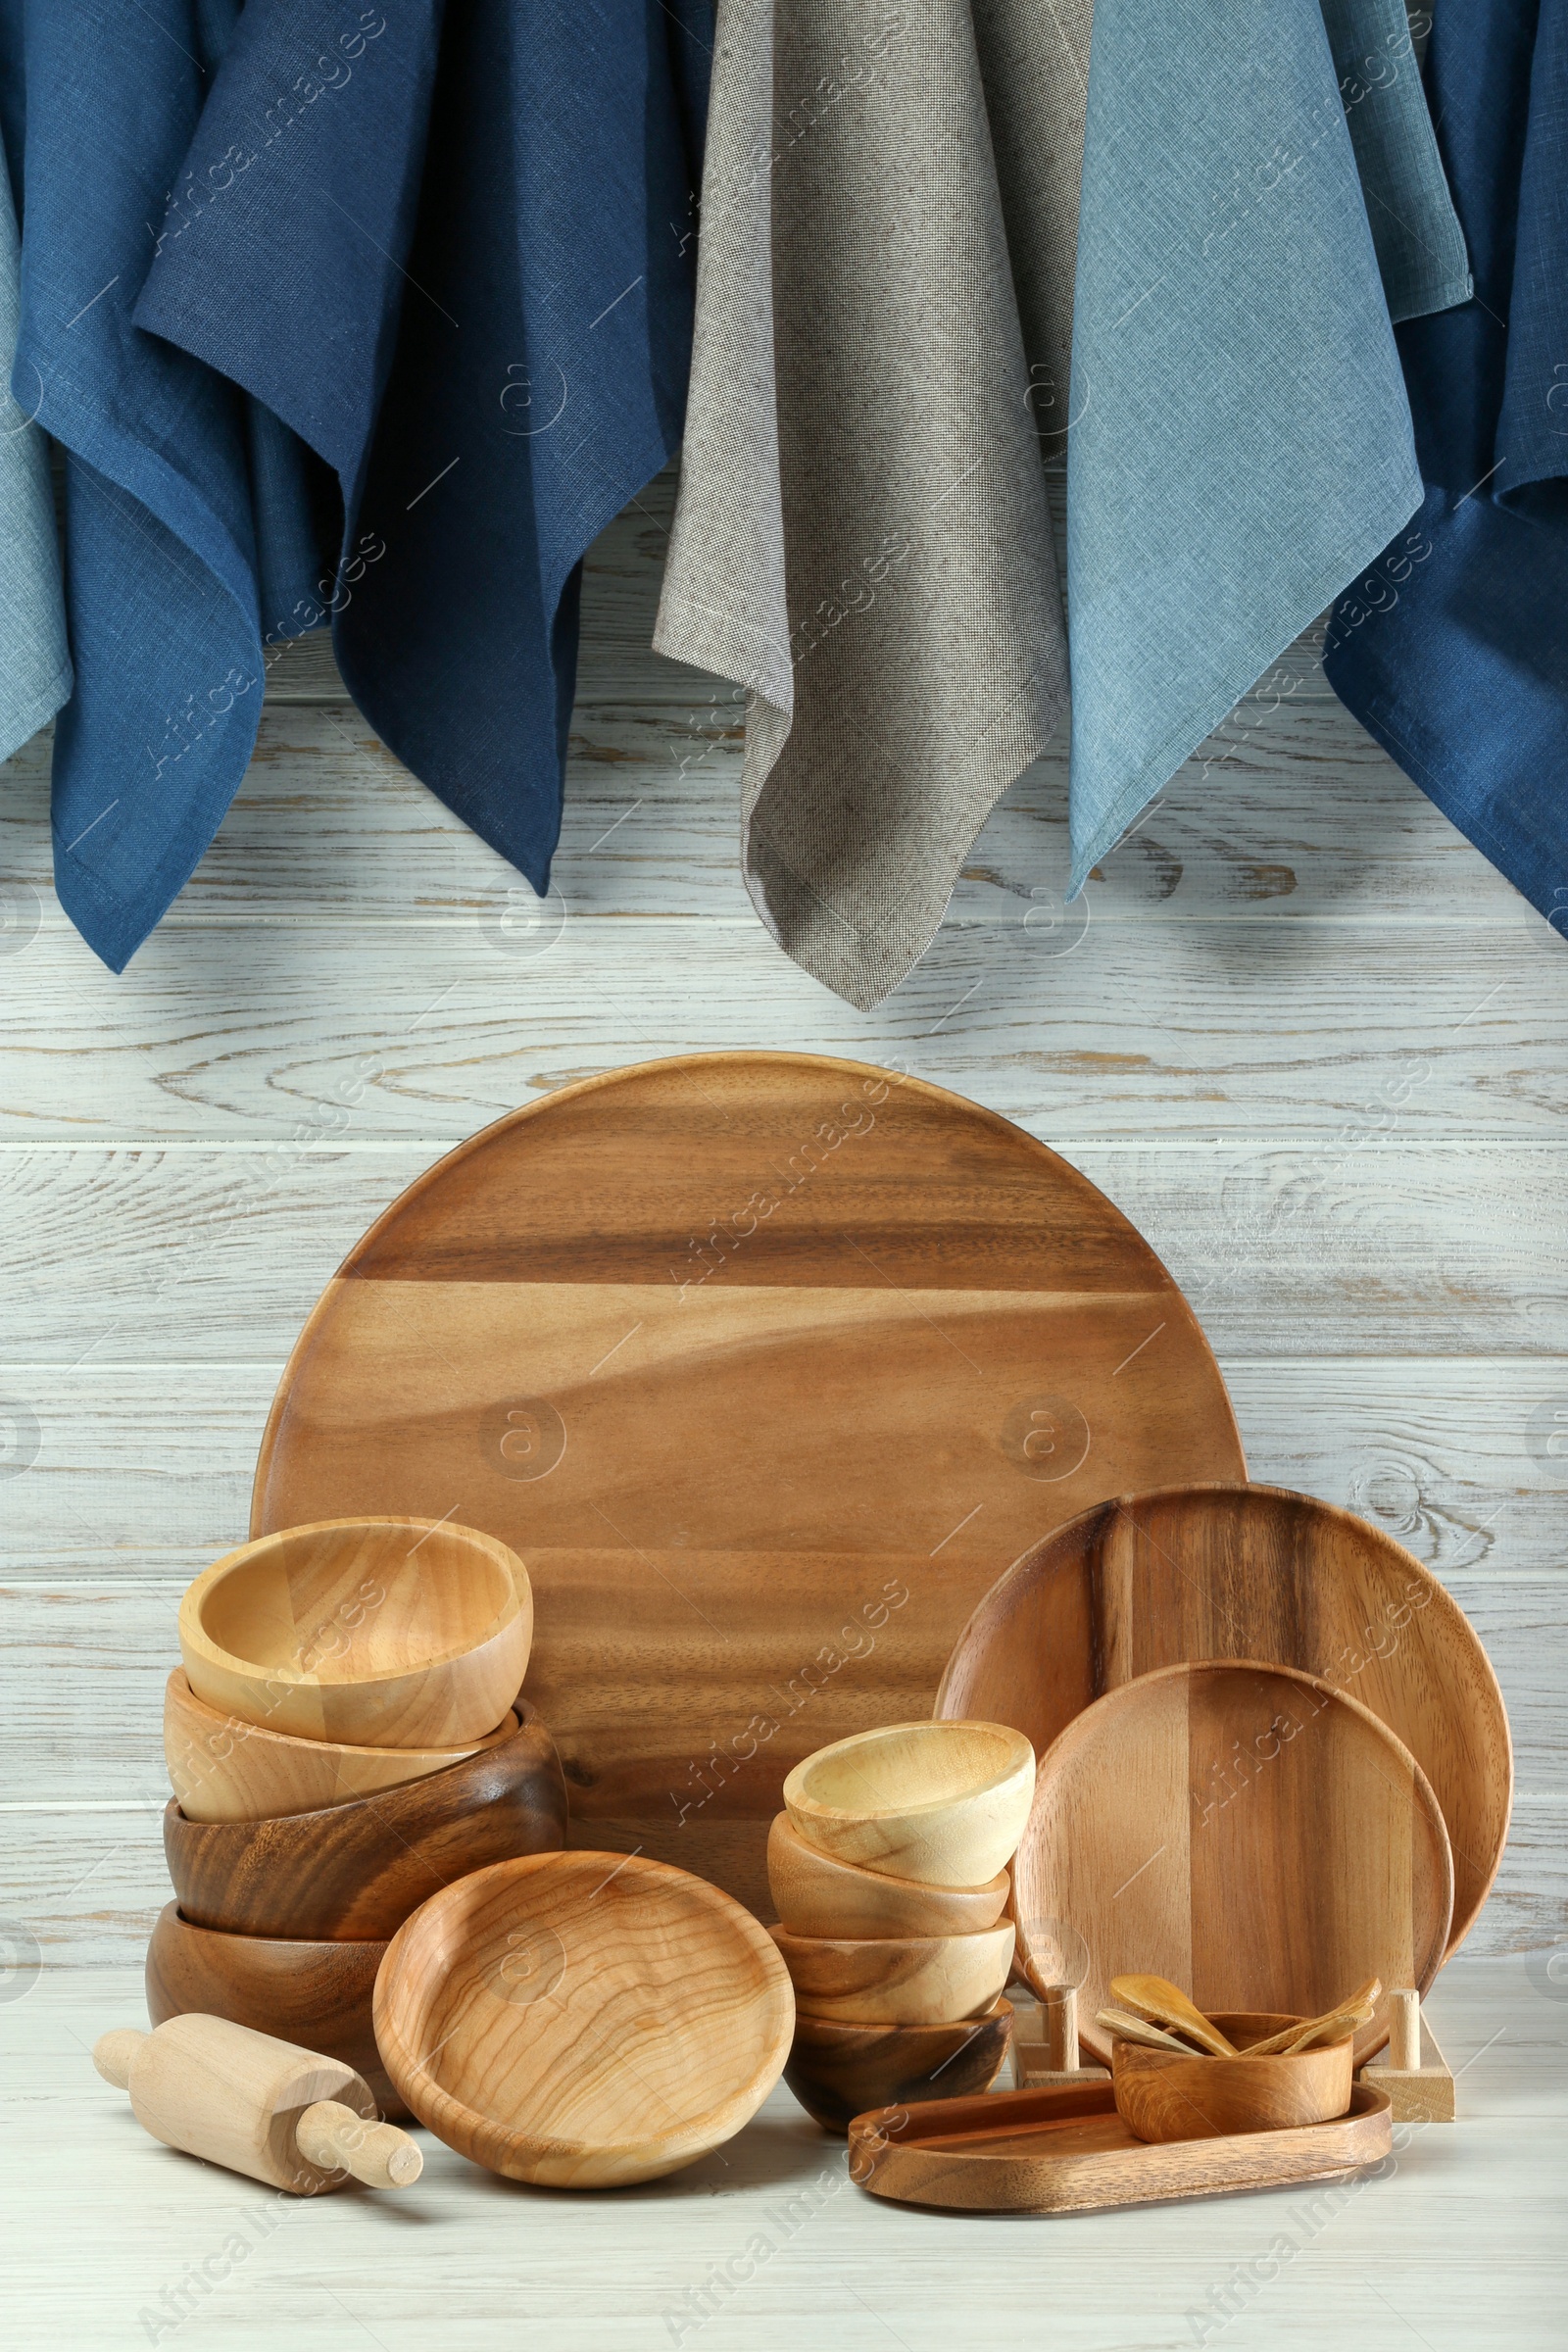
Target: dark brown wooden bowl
x=314 y=1994
x=838 y=2072
x=355 y=1871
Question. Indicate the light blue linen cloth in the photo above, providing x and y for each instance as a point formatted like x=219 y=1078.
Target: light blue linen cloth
x=1241 y=444
x=34 y=662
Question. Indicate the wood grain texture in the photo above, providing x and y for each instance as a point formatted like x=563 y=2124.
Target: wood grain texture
x=744 y=1356
x=942 y=1802
x=837 y=2071
x=1163 y=2095
x=320 y=1990
x=1249 y=1832
x=1258 y=1572
x=583 y=2021
x=815 y=1894
x=395 y=1632
x=1068 y=2151
x=357 y=1870
x=898 y=1980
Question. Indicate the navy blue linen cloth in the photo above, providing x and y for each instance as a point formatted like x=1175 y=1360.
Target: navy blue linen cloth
x=1453 y=649
x=193 y=528
x=454 y=250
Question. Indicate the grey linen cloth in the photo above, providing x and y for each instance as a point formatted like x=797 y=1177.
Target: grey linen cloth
x=861 y=539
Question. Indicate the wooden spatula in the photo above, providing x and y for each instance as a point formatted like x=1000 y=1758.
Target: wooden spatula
x=1128 y=2028
x=1157 y=1998
x=1332 y=2026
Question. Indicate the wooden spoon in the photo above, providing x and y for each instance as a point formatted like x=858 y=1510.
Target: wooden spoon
x=1327 y=2027
x=1128 y=2028
x=1167 y=2004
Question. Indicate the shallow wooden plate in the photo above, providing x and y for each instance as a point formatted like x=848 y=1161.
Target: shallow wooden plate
x=1068 y=2151
x=1247 y=1832
x=766 y=1365
x=1225 y=1572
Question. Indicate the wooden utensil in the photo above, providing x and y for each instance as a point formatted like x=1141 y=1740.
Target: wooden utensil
x=1199 y=1572
x=224 y=1769
x=583 y=2020
x=898 y=1980
x=836 y=2070
x=1243 y=1830
x=275 y=1986
x=1350 y=2013
x=1165 y=2004
x=817 y=1894
x=1069 y=2152
x=358 y=1869
x=255 y=2106
x=1122 y=2023
x=944 y=1803
x=1190 y=2094
x=768 y=1364
x=394 y=1633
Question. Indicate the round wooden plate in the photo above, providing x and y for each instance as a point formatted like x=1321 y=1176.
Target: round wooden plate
x=766 y=1365
x=1247 y=1832
x=1216 y=1572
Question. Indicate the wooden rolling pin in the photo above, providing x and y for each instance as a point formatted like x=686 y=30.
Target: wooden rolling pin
x=255 y=2105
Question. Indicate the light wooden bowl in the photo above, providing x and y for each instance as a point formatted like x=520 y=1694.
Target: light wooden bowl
x=390 y=1633
x=358 y=1869
x=815 y=1894
x=314 y=1994
x=224 y=1769
x=583 y=2020
x=1163 y=2096
x=837 y=2071
x=898 y=1980
x=941 y=1803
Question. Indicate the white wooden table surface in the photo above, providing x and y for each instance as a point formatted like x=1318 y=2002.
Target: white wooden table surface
x=1299 y=1030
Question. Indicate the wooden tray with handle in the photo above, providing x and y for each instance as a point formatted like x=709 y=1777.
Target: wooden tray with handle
x=766 y=1366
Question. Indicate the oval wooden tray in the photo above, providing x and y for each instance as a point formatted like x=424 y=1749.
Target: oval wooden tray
x=766 y=1365
x=1223 y=1571
x=583 y=2020
x=1067 y=2150
x=358 y=1869
x=1246 y=1831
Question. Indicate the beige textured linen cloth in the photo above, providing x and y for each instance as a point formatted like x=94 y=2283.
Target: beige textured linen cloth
x=861 y=539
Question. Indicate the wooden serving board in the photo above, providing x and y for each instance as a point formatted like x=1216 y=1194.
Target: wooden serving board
x=768 y=1366
x=1068 y=2151
x=1247 y=1832
x=1250 y=1572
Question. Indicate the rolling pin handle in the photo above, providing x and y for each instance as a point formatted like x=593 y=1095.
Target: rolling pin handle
x=334 y=2136
x=113 y=2052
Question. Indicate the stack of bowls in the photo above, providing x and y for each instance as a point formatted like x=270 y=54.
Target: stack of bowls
x=888 y=1870
x=344 y=1739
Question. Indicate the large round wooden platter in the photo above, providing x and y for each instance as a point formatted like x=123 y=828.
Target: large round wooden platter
x=1254 y=1572
x=1247 y=1832
x=768 y=1366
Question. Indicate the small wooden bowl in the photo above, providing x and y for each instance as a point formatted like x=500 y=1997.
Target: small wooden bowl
x=224 y=1769
x=358 y=1869
x=898 y=1980
x=941 y=1803
x=839 y=2071
x=817 y=1894
x=387 y=1633
x=1163 y=2096
x=314 y=1994
x=583 y=2020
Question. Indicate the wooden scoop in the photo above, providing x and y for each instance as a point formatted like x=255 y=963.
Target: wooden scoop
x=1333 y=2026
x=1128 y=2028
x=255 y=2105
x=1157 y=1998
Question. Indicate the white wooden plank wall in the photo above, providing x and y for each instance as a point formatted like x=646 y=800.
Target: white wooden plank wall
x=1301 y=1032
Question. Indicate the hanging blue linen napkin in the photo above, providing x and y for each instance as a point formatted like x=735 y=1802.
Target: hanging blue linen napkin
x=1241 y=441
x=1453 y=648
x=190 y=527
x=455 y=249
x=34 y=664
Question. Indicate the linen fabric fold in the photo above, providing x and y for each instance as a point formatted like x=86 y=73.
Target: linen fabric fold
x=1420 y=247
x=1241 y=442
x=192 y=527
x=862 y=538
x=34 y=662
x=458 y=256
x=1453 y=648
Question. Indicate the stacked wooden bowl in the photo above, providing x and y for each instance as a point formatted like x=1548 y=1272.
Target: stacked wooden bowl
x=888 y=1871
x=344 y=1740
